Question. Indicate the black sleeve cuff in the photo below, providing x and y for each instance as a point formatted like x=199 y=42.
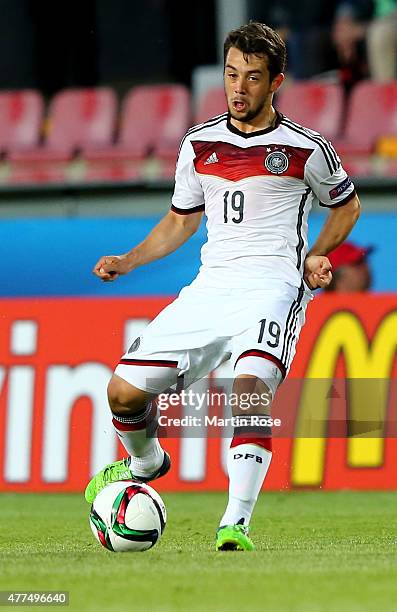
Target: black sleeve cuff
x=342 y=202
x=187 y=211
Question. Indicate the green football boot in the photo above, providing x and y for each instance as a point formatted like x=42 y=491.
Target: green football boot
x=120 y=470
x=233 y=537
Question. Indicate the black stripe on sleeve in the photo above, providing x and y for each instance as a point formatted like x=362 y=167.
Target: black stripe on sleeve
x=203 y=126
x=327 y=150
x=187 y=211
x=316 y=138
x=342 y=202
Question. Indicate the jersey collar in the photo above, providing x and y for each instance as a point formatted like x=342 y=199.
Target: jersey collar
x=235 y=130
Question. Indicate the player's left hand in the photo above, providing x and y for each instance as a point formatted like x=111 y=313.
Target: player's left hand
x=317 y=272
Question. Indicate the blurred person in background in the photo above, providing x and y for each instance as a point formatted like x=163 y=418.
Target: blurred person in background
x=382 y=41
x=348 y=36
x=321 y=38
x=350 y=269
x=305 y=30
x=364 y=33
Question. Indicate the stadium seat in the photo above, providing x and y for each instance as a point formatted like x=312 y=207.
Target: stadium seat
x=78 y=120
x=212 y=103
x=358 y=166
x=33 y=174
x=318 y=106
x=372 y=113
x=154 y=118
x=21 y=114
x=113 y=171
x=166 y=169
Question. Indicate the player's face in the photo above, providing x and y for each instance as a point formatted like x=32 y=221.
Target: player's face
x=247 y=85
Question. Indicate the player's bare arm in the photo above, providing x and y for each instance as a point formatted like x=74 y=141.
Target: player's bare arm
x=168 y=235
x=338 y=226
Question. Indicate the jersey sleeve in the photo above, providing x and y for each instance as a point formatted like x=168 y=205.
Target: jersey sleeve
x=188 y=194
x=327 y=177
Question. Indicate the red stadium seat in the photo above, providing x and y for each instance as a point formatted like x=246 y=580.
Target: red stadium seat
x=358 y=166
x=21 y=114
x=318 y=106
x=212 y=103
x=37 y=173
x=154 y=118
x=79 y=119
x=372 y=113
x=166 y=170
x=113 y=171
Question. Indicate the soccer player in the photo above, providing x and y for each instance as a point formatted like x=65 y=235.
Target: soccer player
x=254 y=173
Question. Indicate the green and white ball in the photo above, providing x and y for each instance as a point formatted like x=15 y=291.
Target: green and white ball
x=128 y=516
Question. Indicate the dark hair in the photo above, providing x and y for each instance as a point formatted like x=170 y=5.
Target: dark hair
x=259 y=39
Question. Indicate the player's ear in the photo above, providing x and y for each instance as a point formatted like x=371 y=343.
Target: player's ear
x=277 y=81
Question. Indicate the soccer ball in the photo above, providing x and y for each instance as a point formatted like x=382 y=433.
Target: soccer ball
x=127 y=516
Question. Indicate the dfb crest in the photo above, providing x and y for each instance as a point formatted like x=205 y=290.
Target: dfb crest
x=276 y=162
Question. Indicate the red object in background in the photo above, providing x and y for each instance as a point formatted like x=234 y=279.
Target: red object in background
x=154 y=119
x=210 y=104
x=58 y=355
x=21 y=114
x=318 y=106
x=78 y=119
x=372 y=113
x=348 y=254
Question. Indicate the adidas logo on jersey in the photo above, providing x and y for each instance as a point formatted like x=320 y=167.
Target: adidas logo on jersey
x=212 y=159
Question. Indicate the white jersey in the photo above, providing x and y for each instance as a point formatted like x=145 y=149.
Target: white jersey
x=257 y=190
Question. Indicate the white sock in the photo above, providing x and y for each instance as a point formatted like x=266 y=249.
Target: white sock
x=139 y=437
x=247 y=466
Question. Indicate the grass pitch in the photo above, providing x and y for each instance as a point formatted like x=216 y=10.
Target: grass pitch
x=315 y=551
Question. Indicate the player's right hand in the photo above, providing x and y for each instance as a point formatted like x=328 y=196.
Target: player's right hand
x=317 y=271
x=109 y=267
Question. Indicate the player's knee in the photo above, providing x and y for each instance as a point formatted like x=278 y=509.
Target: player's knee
x=124 y=398
x=257 y=374
x=254 y=396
